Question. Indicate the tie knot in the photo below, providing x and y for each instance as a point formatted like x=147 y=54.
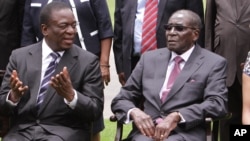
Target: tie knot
x=54 y=55
x=178 y=59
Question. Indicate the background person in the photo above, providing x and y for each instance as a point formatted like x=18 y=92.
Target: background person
x=227 y=33
x=245 y=92
x=11 y=16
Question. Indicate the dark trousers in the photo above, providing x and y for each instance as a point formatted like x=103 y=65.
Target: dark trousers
x=234 y=107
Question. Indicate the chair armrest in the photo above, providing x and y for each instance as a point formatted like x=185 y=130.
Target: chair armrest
x=119 y=128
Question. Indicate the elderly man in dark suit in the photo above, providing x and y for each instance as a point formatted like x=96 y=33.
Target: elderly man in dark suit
x=227 y=33
x=174 y=109
x=128 y=29
x=11 y=16
x=50 y=86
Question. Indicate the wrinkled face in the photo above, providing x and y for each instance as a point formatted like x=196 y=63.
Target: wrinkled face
x=180 y=35
x=60 y=32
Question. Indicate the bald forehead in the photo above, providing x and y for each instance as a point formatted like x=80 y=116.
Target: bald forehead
x=180 y=17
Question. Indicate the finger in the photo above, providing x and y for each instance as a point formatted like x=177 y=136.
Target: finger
x=54 y=82
x=141 y=130
x=149 y=129
x=14 y=73
x=60 y=79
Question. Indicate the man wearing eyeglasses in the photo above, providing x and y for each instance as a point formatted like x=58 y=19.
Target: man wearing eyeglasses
x=180 y=85
x=129 y=36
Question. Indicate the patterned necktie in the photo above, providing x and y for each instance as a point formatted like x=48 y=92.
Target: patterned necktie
x=149 y=26
x=174 y=73
x=45 y=82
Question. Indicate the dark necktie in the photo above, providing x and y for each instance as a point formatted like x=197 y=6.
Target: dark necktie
x=149 y=26
x=174 y=73
x=47 y=76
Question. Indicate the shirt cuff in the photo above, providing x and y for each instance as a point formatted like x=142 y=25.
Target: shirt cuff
x=72 y=104
x=128 y=116
x=9 y=101
x=182 y=118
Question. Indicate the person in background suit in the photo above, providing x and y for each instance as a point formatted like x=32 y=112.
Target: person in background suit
x=245 y=92
x=11 y=14
x=199 y=91
x=128 y=25
x=75 y=88
x=227 y=28
x=94 y=33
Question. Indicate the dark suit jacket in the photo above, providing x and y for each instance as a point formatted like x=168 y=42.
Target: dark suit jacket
x=93 y=18
x=227 y=33
x=11 y=13
x=55 y=116
x=125 y=12
x=198 y=92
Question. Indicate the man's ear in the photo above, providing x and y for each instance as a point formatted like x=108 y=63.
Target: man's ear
x=196 y=34
x=44 y=29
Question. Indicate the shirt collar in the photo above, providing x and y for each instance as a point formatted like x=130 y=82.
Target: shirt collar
x=184 y=56
x=46 y=50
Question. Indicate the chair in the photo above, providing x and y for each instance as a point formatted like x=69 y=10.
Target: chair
x=212 y=128
x=4 y=120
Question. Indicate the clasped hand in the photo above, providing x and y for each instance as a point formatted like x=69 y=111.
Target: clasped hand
x=147 y=127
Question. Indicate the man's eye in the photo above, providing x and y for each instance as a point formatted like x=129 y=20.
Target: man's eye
x=63 y=26
x=73 y=25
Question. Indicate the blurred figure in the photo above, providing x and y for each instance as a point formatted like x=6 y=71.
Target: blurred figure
x=180 y=86
x=11 y=16
x=227 y=33
x=246 y=91
x=94 y=33
x=49 y=86
x=139 y=28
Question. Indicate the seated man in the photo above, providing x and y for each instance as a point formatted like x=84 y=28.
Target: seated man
x=180 y=86
x=52 y=89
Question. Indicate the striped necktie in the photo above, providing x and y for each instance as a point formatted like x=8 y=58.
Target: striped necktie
x=149 y=26
x=47 y=76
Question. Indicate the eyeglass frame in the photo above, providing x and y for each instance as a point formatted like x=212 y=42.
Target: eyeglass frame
x=166 y=26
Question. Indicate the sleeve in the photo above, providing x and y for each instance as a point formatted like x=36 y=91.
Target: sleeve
x=101 y=12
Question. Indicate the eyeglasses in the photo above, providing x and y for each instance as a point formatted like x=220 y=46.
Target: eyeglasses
x=178 y=28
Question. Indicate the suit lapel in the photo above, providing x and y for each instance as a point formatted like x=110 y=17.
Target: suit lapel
x=68 y=60
x=34 y=61
x=160 y=73
x=193 y=63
